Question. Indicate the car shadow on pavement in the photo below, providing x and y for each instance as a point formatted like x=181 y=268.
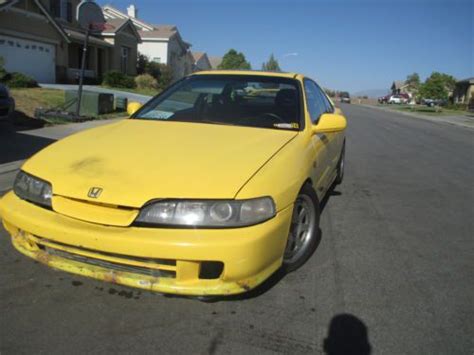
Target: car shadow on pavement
x=17 y=146
x=331 y=192
x=347 y=334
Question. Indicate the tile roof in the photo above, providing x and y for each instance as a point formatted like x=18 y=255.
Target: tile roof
x=197 y=55
x=114 y=24
x=79 y=36
x=159 y=31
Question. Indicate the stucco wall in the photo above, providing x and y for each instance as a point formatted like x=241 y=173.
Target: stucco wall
x=154 y=49
x=123 y=40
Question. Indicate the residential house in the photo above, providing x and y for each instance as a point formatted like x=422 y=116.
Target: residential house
x=160 y=43
x=42 y=38
x=201 y=61
x=464 y=91
x=215 y=62
x=400 y=87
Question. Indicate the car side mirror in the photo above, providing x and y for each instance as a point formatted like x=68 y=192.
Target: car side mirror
x=133 y=107
x=330 y=123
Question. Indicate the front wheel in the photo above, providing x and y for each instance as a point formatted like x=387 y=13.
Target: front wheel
x=304 y=231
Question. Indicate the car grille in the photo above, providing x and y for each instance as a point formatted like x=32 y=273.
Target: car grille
x=112 y=261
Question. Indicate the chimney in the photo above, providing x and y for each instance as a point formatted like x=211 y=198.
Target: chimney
x=132 y=11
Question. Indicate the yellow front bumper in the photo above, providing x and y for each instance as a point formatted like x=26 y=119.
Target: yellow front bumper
x=249 y=255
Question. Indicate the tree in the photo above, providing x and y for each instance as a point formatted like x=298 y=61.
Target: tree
x=413 y=82
x=234 y=60
x=142 y=62
x=271 y=65
x=329 y=92
x=437 y=86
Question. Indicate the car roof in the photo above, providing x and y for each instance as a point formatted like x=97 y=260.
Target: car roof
x=249 y=72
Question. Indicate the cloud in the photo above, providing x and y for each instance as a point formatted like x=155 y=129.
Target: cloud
x=294 y=54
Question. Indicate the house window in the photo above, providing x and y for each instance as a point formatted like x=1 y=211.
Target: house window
x=55 y=8
x=124 y=59
x=61 y=9
x=157 y=59
x=69 y=11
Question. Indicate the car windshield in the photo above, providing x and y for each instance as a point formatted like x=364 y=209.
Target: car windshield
x=241 y=100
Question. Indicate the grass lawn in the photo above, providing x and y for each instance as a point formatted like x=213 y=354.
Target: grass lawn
x=29 y=99
x=425 y=110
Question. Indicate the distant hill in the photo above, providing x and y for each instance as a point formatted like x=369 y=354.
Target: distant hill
x=371 y=93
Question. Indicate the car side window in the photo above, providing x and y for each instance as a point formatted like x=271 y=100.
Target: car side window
x=314 y=100
x=329 y=107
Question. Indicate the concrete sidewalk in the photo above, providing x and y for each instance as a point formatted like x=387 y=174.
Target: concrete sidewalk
x=94 y=88
x=460 y=120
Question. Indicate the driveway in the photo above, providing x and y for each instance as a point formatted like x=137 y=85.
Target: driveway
x=130 y=96
x=393 y=270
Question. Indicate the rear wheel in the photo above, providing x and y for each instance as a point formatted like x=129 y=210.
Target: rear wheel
x=304 y=231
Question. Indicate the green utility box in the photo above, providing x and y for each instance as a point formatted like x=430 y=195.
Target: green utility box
x=92 y=104
x=121 y=104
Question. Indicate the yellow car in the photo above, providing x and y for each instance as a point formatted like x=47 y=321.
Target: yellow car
x=207 y=189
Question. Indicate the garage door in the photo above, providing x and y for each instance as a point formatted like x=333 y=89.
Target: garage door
x=33 y=58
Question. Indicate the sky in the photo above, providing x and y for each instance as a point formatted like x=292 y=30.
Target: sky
x=343 y=44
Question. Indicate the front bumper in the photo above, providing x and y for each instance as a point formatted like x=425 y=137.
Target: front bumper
x=166 y=260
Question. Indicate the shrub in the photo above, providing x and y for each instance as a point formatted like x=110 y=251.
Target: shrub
x=118 y=80
x=19 y=80
x=161 y=72
x=459 y=107
x=146 y=81
x=165 y=77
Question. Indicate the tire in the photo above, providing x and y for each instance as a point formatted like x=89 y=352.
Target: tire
x=304 y=234
x=340 y=166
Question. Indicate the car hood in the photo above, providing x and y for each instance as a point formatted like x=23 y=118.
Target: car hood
x=135 y=161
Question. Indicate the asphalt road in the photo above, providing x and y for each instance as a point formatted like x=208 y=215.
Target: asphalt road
x=394 y=270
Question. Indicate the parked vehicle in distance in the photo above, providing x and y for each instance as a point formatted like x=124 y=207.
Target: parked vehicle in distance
x=405 y=98
x=384 y=99
x=7 y=103
x=398 y=99
x=434 y=102
x=345 y=98
x=208 y=189
x=395 y=99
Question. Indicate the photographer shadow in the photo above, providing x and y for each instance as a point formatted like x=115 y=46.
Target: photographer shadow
x=347 y=334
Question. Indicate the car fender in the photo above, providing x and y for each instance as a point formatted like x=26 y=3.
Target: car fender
x=283 y=175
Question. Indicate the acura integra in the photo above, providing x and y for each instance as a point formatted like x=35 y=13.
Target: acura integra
x=207 y=189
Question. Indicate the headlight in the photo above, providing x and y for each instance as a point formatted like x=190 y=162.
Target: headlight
x=207 y=213
x=32 y=189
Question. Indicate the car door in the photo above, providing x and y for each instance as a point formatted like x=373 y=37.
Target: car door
x=335 y=139
x=320 y=158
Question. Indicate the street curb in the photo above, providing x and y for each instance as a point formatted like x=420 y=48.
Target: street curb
x=438 y=119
